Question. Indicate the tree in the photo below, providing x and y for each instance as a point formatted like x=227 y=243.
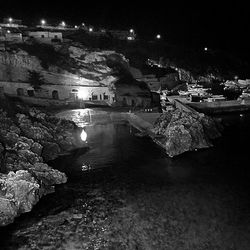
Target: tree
x=35 y=79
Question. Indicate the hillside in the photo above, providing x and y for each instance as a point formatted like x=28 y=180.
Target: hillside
x=222 y=64
x=60 y=64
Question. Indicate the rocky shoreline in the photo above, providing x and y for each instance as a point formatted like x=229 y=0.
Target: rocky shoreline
x=182 y=131
x=29 y=139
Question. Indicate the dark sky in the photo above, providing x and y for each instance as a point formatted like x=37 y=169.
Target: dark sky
x=205 y=24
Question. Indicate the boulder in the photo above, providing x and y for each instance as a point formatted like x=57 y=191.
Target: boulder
x=47 y=175
x=18 y=194
x=50 y=150
x=36 y=148
x=25 y=143
x=183 y=131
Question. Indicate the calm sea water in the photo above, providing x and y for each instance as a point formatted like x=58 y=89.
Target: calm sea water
x=113 y=144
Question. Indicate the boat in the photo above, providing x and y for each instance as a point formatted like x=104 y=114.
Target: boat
x=218 y=106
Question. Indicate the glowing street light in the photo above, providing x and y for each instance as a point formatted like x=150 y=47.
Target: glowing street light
x=205 y=49
x=158 y=36
x=10 y=20
x=83 y=24
x=131 y=31
x=43 y=22
x=63 y=23
x=8 y=31
x=90 y=29
x=76 y=27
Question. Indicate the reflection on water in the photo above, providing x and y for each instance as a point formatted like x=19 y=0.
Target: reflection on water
x=83 y=135
x=114 y=144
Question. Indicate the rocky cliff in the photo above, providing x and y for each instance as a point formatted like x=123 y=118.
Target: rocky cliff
x=184 y=131
x=61 y=64
x=27 y=141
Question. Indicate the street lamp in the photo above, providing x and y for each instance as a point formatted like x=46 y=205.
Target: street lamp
x=158 y=36
x=131 y=31
x=90 y=29
x=43 y=22
x=205 y=49
x=63 y=23
x=10 y=20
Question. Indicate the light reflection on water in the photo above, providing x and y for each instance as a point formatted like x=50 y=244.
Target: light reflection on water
x=114 y=144
x=84 y=135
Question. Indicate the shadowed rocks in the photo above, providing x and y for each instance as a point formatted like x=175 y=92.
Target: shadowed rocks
x=185 y=131
x=27 y=141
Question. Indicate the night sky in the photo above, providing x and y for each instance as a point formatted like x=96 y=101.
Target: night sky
x=205 y=24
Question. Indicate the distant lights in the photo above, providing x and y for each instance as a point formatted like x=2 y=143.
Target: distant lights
x=90 y=29
x=63 y=24
x=158 y=36
x=8 y=31
x=205 y=49
x=10 y=19
x=83 y=24
x=131 y=31
x=43 y=22
x=76 y=27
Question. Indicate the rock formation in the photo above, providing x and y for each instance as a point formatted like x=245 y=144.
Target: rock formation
x=59 y=64
x=27 y=141
x=185 y=131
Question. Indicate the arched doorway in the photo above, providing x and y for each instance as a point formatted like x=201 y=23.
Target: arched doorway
x=133 y=103
x=124 y=101
x=74 y=94
x=30 y=92
x=20 y=92
x=55 y=94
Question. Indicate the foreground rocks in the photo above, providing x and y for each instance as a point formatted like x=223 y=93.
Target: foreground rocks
x=183 y=131
x=27 y=141
x=111 y=216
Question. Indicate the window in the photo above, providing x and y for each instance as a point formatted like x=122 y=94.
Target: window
x=42 y=36
x=30 y=92
x=94 y=97
x=55 y=94
x=55 y=36
x=105 y=97
x=1 y=90
x=20 y=92
x=133 y=102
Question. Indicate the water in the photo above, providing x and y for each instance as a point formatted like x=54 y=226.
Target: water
x=125 y=193
x=113 y=144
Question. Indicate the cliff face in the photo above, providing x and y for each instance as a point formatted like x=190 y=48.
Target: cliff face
x=27 y=141
x=14 y=66
x=65 y=65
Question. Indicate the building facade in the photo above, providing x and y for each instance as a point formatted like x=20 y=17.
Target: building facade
x=66 y=93
x=46 y=36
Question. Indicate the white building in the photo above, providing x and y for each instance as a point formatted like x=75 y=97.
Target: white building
x=63 y=93
x=46 y=36
x=12 y=23
x=10 y=35
x=14 y=37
